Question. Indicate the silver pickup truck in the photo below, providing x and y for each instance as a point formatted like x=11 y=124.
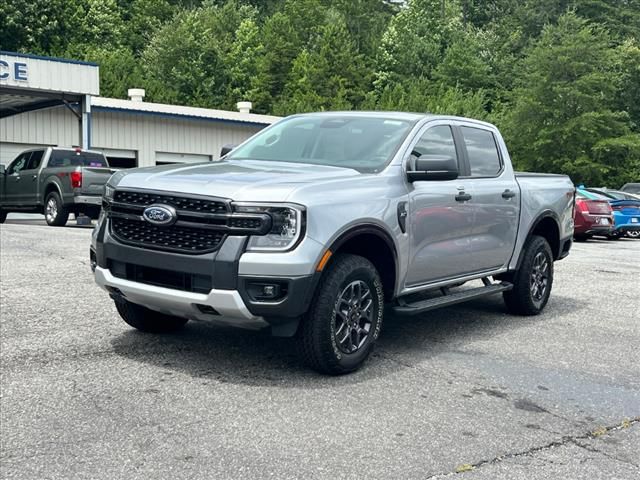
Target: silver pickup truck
x=55 y=182
x=320 y=223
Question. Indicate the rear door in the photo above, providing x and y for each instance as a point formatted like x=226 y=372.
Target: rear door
x=440 y=220
x=496 y=198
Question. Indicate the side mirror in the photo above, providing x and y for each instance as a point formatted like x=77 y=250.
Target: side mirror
x=434 y=167
x=227 y=148
x=2 y=169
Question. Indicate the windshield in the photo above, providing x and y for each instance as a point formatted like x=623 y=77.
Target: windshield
x=70 y=158
x=366 y=144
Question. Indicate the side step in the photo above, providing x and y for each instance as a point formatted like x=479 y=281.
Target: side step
x=450 y=299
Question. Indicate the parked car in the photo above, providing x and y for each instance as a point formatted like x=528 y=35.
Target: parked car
x=617 y=194
x=315 y=223
x=592 y=217
x=55 y=182
x=626 y=213
x=631 y=188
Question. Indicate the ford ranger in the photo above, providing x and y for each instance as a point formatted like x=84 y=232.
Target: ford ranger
x=321 y=223
x=55 y=182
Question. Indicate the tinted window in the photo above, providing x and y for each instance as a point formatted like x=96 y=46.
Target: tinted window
x=436 y=141
x=34 y=161
x=18 y=164
x=70 y=158
x=363 y=143
x=483 y=152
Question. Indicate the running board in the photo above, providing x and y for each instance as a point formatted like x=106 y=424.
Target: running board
x=450 y=299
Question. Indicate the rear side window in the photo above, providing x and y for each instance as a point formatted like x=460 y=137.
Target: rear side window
x=70 y=158
x=35 y=160
x=482 y=150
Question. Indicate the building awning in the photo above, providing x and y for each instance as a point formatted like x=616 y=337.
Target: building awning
x=31 y=82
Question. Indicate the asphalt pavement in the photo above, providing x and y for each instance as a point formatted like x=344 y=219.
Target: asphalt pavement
x=466 y=392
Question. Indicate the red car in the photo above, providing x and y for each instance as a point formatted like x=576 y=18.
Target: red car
x=591 y=217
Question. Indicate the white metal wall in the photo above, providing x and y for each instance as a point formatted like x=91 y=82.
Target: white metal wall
x=148 y=134
x=143 y=133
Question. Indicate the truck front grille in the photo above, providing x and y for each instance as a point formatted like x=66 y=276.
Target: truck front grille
x=186 y=204
x=173 y=238
x=201 y=225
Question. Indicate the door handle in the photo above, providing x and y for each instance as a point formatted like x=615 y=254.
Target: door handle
x=508 y=194
x=463 y=197
x=34 y=177
x=17 y=178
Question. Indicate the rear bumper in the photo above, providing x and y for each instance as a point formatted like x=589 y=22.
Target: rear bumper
x=88 y=200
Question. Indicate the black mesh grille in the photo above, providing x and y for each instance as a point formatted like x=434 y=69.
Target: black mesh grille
x=182 y=239
x=179 y=203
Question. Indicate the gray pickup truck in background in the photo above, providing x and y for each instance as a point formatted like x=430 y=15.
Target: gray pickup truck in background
x=55 y=182
x=317 y=225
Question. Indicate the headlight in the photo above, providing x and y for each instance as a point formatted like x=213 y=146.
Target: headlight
x=287 y=226
x=108 y=192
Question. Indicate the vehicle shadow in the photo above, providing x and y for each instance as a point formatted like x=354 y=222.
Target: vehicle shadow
x=254 y=358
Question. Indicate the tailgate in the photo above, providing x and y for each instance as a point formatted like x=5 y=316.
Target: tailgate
x=93 y=180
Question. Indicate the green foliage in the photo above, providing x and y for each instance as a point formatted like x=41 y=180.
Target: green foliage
x=560 y=77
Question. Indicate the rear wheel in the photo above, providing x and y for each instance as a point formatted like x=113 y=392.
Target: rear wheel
x=338 y=332
x=54 y=211
x=147 y=320
x=633 y=233
x=532 y=282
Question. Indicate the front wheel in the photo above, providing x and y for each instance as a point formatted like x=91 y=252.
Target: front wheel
x=532 y=282
x=55 y=212
x=338 y=332
x=146 y=320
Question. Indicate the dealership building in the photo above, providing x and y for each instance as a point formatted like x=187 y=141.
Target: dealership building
x=48 y=101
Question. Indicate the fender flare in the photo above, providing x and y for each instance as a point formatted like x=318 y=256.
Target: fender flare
x=542 y=216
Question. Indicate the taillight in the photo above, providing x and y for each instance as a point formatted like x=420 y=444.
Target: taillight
x=76 y=179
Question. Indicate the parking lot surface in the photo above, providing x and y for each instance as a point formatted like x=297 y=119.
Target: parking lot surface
x=466 y=389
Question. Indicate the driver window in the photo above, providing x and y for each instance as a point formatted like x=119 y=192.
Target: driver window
x=437 y=140
x=18 y=164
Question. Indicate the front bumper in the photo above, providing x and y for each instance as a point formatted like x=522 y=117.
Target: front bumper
x=215 y=286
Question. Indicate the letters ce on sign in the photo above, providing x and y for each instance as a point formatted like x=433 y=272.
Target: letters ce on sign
x=13 y=70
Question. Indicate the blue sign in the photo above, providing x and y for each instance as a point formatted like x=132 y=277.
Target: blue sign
x=14 y=71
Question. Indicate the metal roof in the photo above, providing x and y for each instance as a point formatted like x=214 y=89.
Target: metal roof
x=116 y=104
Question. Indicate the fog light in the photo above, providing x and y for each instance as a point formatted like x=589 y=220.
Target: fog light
x=269 y=292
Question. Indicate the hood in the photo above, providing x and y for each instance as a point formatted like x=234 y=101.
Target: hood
x=239 y=180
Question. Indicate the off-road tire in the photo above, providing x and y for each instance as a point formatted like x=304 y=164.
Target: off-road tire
x=316 y=336
x=56 y=215
x=146 y=320
x=520 y=300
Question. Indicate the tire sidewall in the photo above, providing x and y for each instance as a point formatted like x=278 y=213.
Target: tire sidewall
x=538 y=245
x=350 y=361
x=58 y=201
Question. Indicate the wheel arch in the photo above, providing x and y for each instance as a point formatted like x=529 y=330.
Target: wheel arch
x=374 y=243
x=51 y=186
x=546 y=225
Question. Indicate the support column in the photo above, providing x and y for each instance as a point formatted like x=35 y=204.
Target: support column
x=85 y=122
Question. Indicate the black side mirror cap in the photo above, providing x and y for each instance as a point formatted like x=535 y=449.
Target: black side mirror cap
x=227 y=148
x=434 y=167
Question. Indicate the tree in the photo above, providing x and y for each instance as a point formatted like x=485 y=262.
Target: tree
x=561 y=118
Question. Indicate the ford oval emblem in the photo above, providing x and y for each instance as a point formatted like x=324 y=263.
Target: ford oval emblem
x=160 y=215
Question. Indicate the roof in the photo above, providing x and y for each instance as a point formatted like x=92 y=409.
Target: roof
x=180 y=111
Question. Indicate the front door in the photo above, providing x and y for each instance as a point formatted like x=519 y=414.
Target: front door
x=28 y=194
x=13 y=179
x=440 y=219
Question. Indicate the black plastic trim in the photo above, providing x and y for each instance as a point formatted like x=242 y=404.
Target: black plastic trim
x=296 y=302
x=225 y=272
